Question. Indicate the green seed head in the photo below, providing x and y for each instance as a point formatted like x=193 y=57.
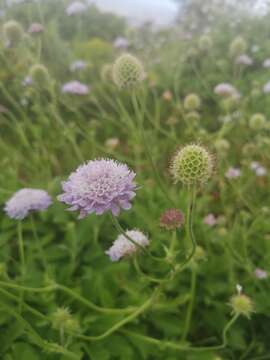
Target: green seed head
x=192 y=165
x=257 y=121
x=13 y=32
x=205 y=43
x=192 y=102
x=39 y=75
x=60 y=317
x=242 y=305
x=128 y=71
x=222 y=145
x=106 y=73
x=238 y=46
x=193 y=117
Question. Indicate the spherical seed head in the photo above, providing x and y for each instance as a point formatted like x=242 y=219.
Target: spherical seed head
x=192 y=102
x=193 y=117
x=99 y=186
x=123 y=247
x=242 y=305
x=238 y=46
x=128 y=71
x=25 y=201
x=172 y=219
x=13 y=32
x=222 y=145
x=257 y=121
x=205 y=43
x=107 y=73
x=60 y=317
x=192 y=165
x=39 y=75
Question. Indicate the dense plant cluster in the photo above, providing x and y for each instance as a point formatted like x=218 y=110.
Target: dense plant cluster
x=134 y=185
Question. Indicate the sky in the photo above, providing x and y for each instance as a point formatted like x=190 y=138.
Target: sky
x=161 y=12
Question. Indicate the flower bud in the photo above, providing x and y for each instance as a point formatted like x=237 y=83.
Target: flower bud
x=242 y=305
x=128 y=71
x=192 y=102
x=238 y=46
x=39 y=75
x=192 y=165
x=257 y=121
x=13 y=32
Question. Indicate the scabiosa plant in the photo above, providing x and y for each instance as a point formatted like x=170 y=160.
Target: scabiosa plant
x=257 y=121
x=192 y=102
x=25 y=201
x=233 y=173
x=121 y=43
x=128 y=71
x=172 y=219
x=13 y=32
x=226 y=90
x=76 y=88
x=40 y=75
x=123 y=247
x=35 y=28
x=78 y=65
x=241 y=304
x=244 y=59
x=99 y=186
x=238 y=46
x=192 y=165
x=75 y=7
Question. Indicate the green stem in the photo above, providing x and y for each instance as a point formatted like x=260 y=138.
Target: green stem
x=175 y=346
x=191 y=304
x=39 y=246
x=21 y=248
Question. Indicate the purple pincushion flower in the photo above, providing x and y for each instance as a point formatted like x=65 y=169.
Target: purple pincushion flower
x=121 y=43
x=78 y=65
x=123 y=247
x=233 y=173
x=25 y=201
x=35 y=28
x=99 y=186
x=75 y=88
x=76 y=7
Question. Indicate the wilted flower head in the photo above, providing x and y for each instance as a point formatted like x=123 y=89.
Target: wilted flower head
x=35 y=28
x=76 y=7
x=261 y=274
x=233 y=173
x=192 y=102
x=13 y=32
x=210 y=220
x=266 y=63
x=244 y=59
x=25 y=201
x=123 y=247
x=192 y=165
x=226 y=90
x=172 y=219
x=257 y=121
x=39 y=75
x=241 y=303
x=121 y=43
x=78 y=65
x=238 y=46
x=99 y=186
x=112 y=143
x=167 y=95
x=128 y=71
x=76 y=88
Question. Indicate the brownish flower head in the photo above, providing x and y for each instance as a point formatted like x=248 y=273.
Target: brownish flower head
x=172 y=219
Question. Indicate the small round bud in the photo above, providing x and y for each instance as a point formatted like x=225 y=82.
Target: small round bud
x=192 y=102
x=192 y=165
x=128 y=71
x=205 y=43
x=167 y=95
x=222 y=145
x=199 y=254
x=39 y=75
x=257 y=121
x=172 y=219
x=60 y=318
x=238 y=46
x=13 y=32
x=242 y=305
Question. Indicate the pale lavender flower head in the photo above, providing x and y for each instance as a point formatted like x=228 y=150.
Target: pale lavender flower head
x=226 y=90
x=233 y=173
x=210 y=220
x=266 y=88
x=35 y=28
x=27 y=81
x=78 y=65
x=25 y=201
x=76 y=88
x=121 y=43
x=99 y=186
x=258 y=168
x=123 y=247
x=266 y=63
x=244 y=59
x=76 y=7
x=260 y=274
